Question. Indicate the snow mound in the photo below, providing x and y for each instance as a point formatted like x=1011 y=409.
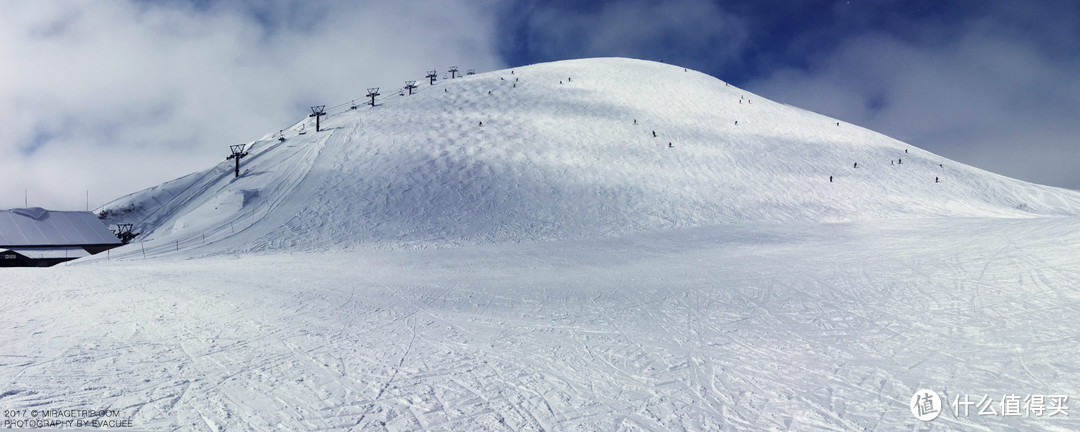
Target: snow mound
x=571 y=149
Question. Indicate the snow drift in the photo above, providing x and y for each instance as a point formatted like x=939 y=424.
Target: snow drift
x=570 y=149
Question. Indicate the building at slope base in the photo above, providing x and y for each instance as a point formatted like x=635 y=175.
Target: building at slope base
x=35 y=237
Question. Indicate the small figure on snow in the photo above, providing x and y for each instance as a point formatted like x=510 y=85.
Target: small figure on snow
x=856 y=165
x=830 y=179
x=669 y=145
x=568 y=79
x=654 y=134
x=481 y=124
x=635 y=121
x=935 y=179
x=899 y=161
x=905 y=150
x=736 y=122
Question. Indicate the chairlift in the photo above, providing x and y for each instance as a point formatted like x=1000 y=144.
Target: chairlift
x=124 y=232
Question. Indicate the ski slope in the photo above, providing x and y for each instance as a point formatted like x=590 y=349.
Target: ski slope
x=559 y=156
x=734 y=328
x=560 y=269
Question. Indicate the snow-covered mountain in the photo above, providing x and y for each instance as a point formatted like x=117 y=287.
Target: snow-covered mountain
x=702 y=286
x=563 y=150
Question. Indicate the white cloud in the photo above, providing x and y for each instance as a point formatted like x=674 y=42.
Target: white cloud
x=117 y=96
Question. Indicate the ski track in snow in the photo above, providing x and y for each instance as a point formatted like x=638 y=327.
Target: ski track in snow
x=799 y=327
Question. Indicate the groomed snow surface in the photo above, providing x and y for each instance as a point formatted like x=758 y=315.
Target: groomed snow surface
x=809 y=327
x=559 y=268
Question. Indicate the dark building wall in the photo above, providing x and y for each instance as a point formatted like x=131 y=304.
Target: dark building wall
x=12 y=259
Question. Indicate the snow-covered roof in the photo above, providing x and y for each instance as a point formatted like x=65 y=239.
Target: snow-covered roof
x=36 y=226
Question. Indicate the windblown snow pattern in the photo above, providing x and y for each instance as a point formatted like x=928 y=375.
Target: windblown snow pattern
x=516 y=251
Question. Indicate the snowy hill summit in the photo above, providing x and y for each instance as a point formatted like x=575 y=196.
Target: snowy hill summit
x=569 y=149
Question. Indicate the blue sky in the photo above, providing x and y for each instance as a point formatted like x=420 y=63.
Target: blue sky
x=95 y=95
